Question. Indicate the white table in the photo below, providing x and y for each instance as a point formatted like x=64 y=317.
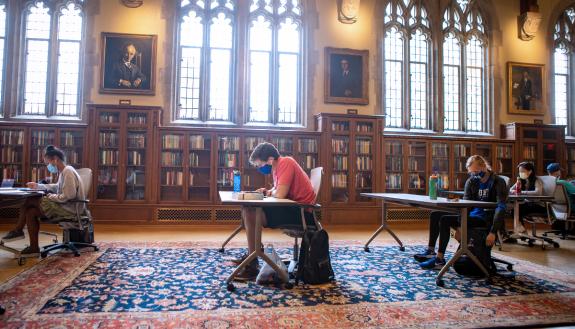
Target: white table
x=422 y=201
x=227 y=198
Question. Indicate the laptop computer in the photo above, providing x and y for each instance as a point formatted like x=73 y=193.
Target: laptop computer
x=7 y=182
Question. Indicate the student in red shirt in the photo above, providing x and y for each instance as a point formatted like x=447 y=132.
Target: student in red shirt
x=290 y=182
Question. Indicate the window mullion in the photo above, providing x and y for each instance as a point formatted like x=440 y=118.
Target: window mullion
x=406 y=83
x=570 y=98
x=204 y=102
x=463 y=88
x=274 y=82
x=53 y=44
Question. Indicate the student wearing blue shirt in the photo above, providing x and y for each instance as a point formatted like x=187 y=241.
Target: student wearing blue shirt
x=554 y=169
x=482 y=185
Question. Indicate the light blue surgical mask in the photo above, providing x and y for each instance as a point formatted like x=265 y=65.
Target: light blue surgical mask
x=52 y=168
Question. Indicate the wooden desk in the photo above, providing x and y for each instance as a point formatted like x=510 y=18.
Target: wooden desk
x=10 y=197
x=421 y=201
x=228 y=198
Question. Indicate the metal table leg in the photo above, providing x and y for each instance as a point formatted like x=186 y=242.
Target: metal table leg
x=234 y=233
x=383 y=227
x=463 y=250
x=257 y=253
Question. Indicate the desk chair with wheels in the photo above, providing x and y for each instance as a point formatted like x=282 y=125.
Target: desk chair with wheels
x=549 y=187
x=499 y=239
x=297 y=231
x=81 y=221
x=561 y=210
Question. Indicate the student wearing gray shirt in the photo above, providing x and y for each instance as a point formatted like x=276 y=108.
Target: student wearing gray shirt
x=68 y=187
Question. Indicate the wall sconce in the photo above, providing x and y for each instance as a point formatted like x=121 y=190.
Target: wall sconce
x=348 y=11
x=133 y=3
x=529 y=20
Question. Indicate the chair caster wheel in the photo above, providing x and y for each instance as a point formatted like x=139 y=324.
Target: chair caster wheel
x=440 y=283
x=500 y=249
x=76 y=254
x=288 y=285
x=96 y=249
x=43 y=255
x=366 y=249
x=510 y=267
x=530 y=243
x=221 y=250
x=555 y=245
x=2 y=310
x=21 y=261
x=544 y=234
x=230 y=287
x=402 y=248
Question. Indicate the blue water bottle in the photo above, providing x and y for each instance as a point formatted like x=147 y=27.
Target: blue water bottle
x=237 y=181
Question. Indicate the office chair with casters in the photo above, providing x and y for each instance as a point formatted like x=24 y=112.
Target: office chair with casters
x=297 y=231
x=81 y=221
x=499 y=240
x=549 y=188
x=561 y=210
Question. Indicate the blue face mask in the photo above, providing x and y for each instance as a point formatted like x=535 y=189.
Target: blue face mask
x=52 y=169
x=265 y=169
x=478 y=175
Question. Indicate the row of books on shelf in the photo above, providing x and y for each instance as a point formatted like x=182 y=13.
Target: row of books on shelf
x=308 y=161
x=340 y=126
x=284 y=145
x=363 y=180
x=137 y=118
x=194 y=160
x=364 y=162
x=416 y=181
x=394 y=163
x=504 y=152
x=364 y=127
x=394 y=148
x=416 y=164
x=393 y=181
x=226 y=159
x=41 y=173
x=441 y=165
x=530 y=152
x=340 y=162
x=171 y=158
x=14 y=137
x=11 y=172
x=229 y=143
x=109 y=157
x=137 y=140
x=108 y=176
x=199 y=142
x=226 y=177
x=172 y=141
x=136 y=158
x=416 y=149
x=108 y=139
x=441 y=150
x=363 y=146
x=462 y=151
x=11 y=154
x=42 y=137
x=251 y=142
x=172 y=177
x=106 y=117
x=339 y=145
x=339 y=180
x=308 y=145
x=70 y=139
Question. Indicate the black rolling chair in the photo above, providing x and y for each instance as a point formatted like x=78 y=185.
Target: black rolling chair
x=80 y=223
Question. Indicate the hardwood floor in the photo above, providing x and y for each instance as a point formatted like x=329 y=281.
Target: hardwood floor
x=562 y=258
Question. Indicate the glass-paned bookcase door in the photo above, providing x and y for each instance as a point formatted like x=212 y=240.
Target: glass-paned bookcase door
x=416 y=165
x=529 y=152
x=12 y=155
x=172 y=167
x=504 y=160
x=307 y=153
x=364 y=182
x=39 y=140
x=72 y=143
x=461 y=152
x=108 y=163
x=284 y=145
x=136 y=143
x=550 y=154
x=340 y=169
x=571 y=161
x=440 y=158
x=199 y=164
x=252 y=179
x=228 y=161
x=394 y=166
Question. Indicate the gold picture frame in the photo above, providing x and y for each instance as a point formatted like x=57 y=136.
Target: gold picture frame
x=526 y=89
x=346 y=76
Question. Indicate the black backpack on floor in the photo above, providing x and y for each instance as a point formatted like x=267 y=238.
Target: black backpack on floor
x=314 y=264
x=465 y=266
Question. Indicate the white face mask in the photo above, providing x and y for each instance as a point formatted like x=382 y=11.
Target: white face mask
x=523 y=175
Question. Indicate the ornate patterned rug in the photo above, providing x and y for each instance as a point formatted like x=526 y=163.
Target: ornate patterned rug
x=180 y=285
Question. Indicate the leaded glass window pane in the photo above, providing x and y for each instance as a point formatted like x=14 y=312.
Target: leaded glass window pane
x=418 y=61
x=393 y=45
x=451 y=82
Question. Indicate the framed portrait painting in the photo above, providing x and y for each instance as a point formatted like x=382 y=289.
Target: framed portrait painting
x=526 y=88
x=346 y=76
x=128 y=64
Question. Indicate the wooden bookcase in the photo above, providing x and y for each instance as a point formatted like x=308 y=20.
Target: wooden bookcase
x=570 y=161
x=538 y=143
x=12 y=154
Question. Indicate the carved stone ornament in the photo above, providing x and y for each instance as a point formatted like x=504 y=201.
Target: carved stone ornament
x=133 y=3
x=348 y=11
x=528 y=25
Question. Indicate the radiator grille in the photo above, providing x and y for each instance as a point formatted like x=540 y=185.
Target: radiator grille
x=407 y=215
x=184 y=215
x=228 y=215
x=9 y=212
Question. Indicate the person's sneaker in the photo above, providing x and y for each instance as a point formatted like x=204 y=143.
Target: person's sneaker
x=433 y=263
x=13 y=236
x=239 y=260
x=427 y=254
x=249 y=273
x=28 y=252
